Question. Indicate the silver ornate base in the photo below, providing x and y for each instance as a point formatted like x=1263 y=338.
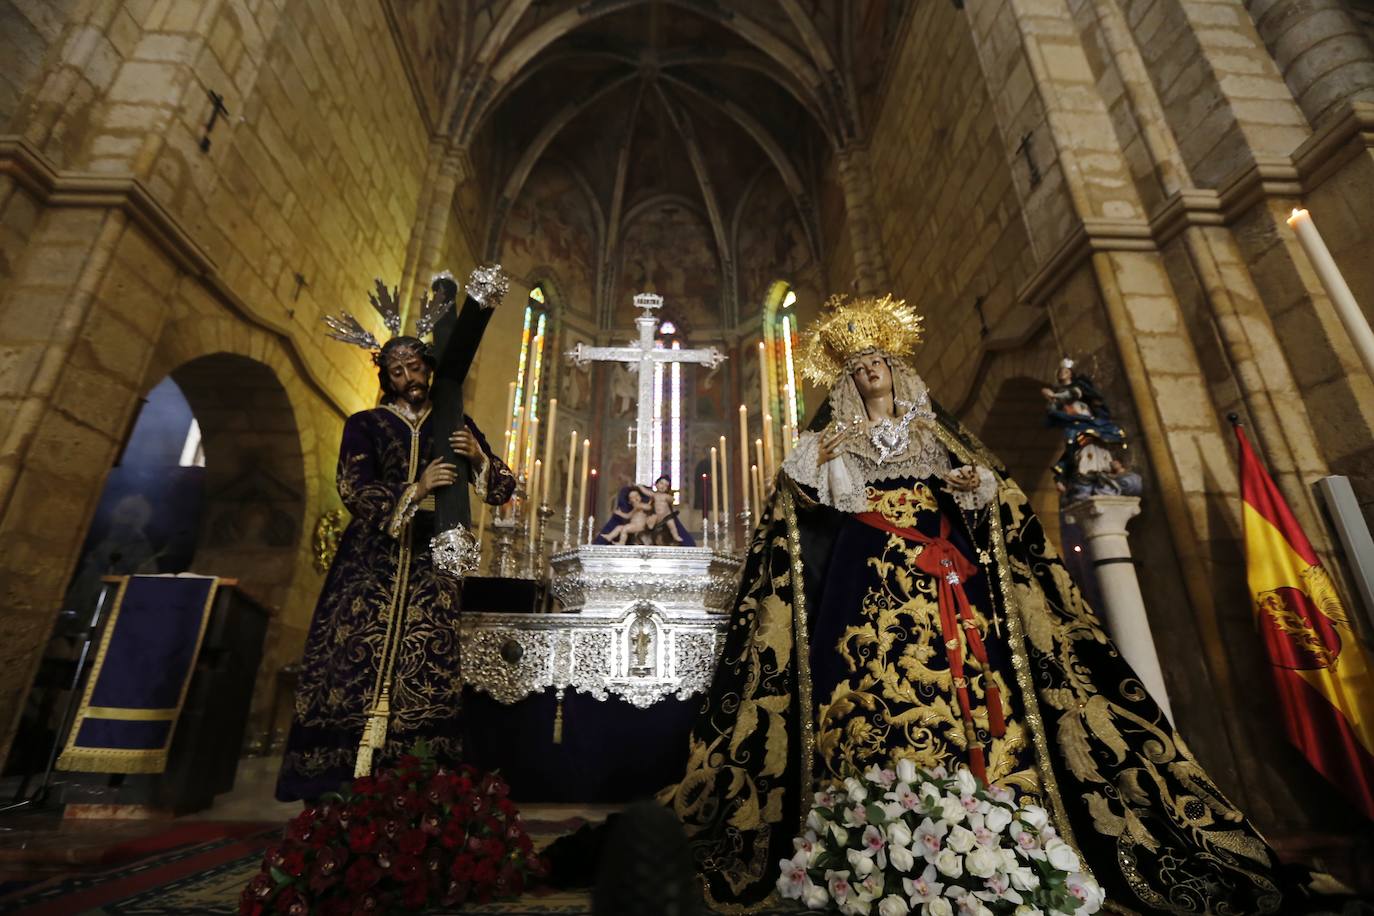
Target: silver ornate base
x=643 y=656
x=456 y=551
x=602 y=579
x=648 y=625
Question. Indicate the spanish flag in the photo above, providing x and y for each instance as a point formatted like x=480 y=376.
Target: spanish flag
x=1322 y=672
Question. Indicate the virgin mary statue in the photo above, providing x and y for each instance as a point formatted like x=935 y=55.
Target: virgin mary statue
x=900 y=600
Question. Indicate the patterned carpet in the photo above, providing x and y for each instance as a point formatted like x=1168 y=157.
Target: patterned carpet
x=205 y=876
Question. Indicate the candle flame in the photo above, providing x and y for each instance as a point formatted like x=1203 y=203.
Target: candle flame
x=1297 y=216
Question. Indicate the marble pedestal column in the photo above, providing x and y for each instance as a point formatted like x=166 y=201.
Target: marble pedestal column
x=1102 y=520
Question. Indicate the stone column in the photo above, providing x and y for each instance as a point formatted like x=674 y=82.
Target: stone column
x=870 y=264
x=1103 y=521
x=1324 y=54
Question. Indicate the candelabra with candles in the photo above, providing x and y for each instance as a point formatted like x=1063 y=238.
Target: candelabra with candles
x=505 y=546
x=539 y=555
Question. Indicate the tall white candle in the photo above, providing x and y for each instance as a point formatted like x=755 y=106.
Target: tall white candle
x=572 y=474
x=550 y=428
x=531 y=511
x=507 y=419
x=582 y=485
x=744 y=455
x=715 y=485
x=724 y=482
x=1356 y=325
x=758 y=459
x=770 y=462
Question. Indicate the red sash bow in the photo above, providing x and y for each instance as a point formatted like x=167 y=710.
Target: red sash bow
x=951 y=570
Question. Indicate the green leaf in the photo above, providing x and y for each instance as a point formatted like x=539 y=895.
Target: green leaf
x=281 y=877
x=876 y=815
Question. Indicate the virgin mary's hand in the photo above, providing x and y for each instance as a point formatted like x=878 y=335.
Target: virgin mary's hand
x=964 y=478
x=831 y=437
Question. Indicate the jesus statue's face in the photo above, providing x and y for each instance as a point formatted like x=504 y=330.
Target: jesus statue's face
x=409 y=377
x=872 y=376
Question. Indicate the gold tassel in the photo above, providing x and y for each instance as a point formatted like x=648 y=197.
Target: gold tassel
x=558 y=720
x=374 y=736
x=380 y=715
x=363 y=765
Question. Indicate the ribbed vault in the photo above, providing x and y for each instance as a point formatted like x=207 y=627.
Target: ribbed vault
x=654 y=100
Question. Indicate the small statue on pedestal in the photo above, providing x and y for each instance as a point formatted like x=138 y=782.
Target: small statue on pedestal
x=1092 y=462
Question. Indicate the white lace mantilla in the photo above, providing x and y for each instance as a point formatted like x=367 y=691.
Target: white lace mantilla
x=841 y=482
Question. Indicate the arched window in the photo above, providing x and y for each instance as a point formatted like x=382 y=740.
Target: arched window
x=529 y=380
x=783 y=384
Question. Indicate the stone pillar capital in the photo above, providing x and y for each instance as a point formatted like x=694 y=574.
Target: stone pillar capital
x=1103 y=516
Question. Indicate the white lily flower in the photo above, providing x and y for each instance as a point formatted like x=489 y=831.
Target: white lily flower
x=930 y=794
x=880 y=776
x=1086 y=890
x=938 y=907
x=1001 y=794
x=793 y=880
x=856 y=816
x=906 y=770
x=998 y=888
x=929 y=837
x=815 y=897
x=904 y=797
x=925 y=888
x=875 y=845
x=838 y=884
x=840 y=834
x=967 y=782
x=871 y=886
x=1026 y=909
x=815 y=822
x=857 y=791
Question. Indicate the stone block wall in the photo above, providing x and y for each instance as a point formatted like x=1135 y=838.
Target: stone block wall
x=128 y=251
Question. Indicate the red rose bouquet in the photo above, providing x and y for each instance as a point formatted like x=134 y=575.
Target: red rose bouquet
x=411 y=836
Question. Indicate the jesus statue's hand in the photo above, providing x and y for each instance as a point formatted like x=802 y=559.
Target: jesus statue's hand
x=465 y=444
x=440 y=473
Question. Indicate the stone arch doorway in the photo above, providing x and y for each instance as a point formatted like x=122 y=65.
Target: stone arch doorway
x=255 y=490
x=1014 y=430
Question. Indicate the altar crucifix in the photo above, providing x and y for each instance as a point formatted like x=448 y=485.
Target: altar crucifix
x=644 y=356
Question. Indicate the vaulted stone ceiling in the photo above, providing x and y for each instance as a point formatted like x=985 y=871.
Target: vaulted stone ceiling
x=653 y=102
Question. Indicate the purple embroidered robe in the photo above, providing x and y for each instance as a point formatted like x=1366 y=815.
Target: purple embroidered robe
x=386 y=615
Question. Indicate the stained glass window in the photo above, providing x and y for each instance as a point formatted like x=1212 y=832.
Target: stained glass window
x=529 y=378
x=786 y=402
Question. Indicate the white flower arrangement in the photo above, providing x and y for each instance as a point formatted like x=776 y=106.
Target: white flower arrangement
x=909 y=841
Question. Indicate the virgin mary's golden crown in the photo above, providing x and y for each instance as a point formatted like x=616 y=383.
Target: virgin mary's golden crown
x=848 y=328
